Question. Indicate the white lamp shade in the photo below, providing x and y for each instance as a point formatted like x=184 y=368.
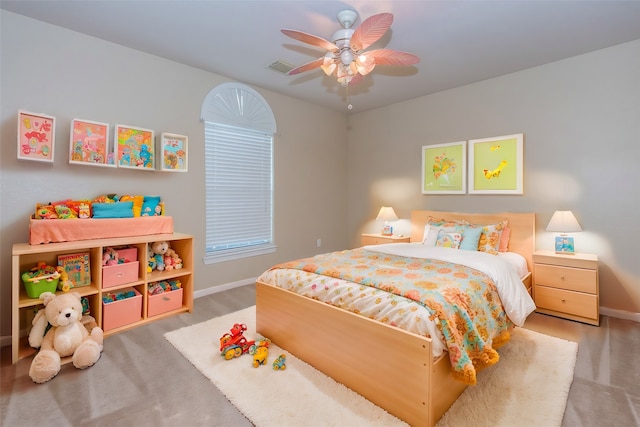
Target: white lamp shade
x=563 y=222
x=387 y=214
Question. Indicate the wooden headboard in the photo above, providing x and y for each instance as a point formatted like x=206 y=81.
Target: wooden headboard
x=522 y=225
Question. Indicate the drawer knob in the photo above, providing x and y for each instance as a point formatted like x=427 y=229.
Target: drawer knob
x=561 y=277
x=563 y=300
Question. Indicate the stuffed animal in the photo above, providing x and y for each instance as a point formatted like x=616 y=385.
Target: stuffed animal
x=68 y=336
x=158 y=250
x=64 y=284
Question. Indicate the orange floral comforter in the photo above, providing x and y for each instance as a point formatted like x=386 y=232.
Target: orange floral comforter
x=463 y=302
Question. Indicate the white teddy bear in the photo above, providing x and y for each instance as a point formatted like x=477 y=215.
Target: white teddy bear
x=68 y=336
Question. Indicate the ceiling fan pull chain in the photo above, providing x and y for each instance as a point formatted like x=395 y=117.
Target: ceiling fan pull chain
x=349 y=105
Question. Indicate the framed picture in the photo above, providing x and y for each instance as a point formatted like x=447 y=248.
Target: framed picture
x=444 y=168
x=173 y=152
x=496 y=165
x=89 y=144
x=565 y=245
x=135 y=147
x=36 y=134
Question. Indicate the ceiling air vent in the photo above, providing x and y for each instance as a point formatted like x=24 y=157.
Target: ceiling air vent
x=281 y=67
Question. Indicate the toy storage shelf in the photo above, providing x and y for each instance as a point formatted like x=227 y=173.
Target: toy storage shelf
x=26 y=256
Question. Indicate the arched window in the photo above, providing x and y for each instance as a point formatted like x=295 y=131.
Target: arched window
x=238 y=133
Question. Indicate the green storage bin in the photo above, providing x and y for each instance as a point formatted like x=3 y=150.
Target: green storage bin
x=35 y=288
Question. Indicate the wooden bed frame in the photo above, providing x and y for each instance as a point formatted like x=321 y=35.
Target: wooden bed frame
x=392 y=368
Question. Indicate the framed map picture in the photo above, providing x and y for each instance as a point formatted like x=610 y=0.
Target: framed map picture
x=135 y=147
x=36 y=133
x=496 y=165
x=444 y=168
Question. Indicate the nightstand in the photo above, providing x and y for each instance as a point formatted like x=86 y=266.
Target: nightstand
x=567 y=286
x=379 y=239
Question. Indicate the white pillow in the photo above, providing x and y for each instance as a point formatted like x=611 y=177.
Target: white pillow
x=430 y=235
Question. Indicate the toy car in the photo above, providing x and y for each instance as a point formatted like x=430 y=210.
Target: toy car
x=235 y=344
x=280 y=363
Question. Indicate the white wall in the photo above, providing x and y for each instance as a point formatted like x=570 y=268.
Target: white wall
x=581 y=123
x=68 y=75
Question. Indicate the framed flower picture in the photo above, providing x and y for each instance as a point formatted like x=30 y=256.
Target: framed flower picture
x=496 y=165
x=173 y=152
x=444 y=168
x=135 y=147
x=89 y=144
x=36 y=136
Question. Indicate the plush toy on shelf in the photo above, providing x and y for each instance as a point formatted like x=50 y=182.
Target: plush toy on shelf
x=109 y=256
x=157 y=251
x=163 y=257
x=64 y=284
x=68 y=336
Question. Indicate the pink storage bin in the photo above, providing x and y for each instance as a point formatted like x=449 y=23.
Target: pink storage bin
x=129 y=254
x=122 y=312
x=114 y=275
x=166 y=301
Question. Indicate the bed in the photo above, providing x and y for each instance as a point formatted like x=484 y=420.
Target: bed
x=394 y=368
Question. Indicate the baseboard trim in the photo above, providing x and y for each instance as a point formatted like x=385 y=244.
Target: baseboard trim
x=620 y=314
x=223 y=287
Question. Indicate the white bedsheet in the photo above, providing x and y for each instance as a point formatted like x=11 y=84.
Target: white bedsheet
x=405 y=313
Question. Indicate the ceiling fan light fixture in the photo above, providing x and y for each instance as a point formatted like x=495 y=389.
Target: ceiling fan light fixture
x=328 y=64
x=346 y=57
x=364 y=64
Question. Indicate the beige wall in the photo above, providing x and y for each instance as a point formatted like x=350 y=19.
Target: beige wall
x=581 y=123
x=579 y=117
x=69 y=75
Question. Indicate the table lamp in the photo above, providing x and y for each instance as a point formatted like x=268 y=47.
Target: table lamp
x=564 y=222
x=387 y=214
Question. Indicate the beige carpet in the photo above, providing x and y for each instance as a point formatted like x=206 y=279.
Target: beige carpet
x=528 y=387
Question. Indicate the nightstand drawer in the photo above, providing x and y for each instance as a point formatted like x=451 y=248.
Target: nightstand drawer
x=573 y=279
x=569 y=302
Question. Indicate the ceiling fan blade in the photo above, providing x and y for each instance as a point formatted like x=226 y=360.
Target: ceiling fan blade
x=371 y=30
x=392 y=57
x=310 y=39
x=306 y=67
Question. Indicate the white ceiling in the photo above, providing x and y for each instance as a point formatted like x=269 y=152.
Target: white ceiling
x=459 y=42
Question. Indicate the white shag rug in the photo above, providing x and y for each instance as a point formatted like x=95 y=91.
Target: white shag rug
x=528 y=387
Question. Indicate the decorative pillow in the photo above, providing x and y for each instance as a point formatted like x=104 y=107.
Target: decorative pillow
x=449 y=240
x=490 y=238
x=137 y=203
x=151 y=206
x=470 y=238
x=113 y=210
x=504 y=240
x=430 y=235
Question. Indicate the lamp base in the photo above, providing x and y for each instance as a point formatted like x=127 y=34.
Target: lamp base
x=564 y=245
x=387 y=230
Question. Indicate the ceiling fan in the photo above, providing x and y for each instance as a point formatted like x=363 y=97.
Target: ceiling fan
x=346 y=57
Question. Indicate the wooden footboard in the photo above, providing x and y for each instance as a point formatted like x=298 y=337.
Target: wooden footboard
x=390 y=367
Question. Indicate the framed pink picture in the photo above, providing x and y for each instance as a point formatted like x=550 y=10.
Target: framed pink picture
x=36 y=134
x=89 y=144
x=135 y=147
